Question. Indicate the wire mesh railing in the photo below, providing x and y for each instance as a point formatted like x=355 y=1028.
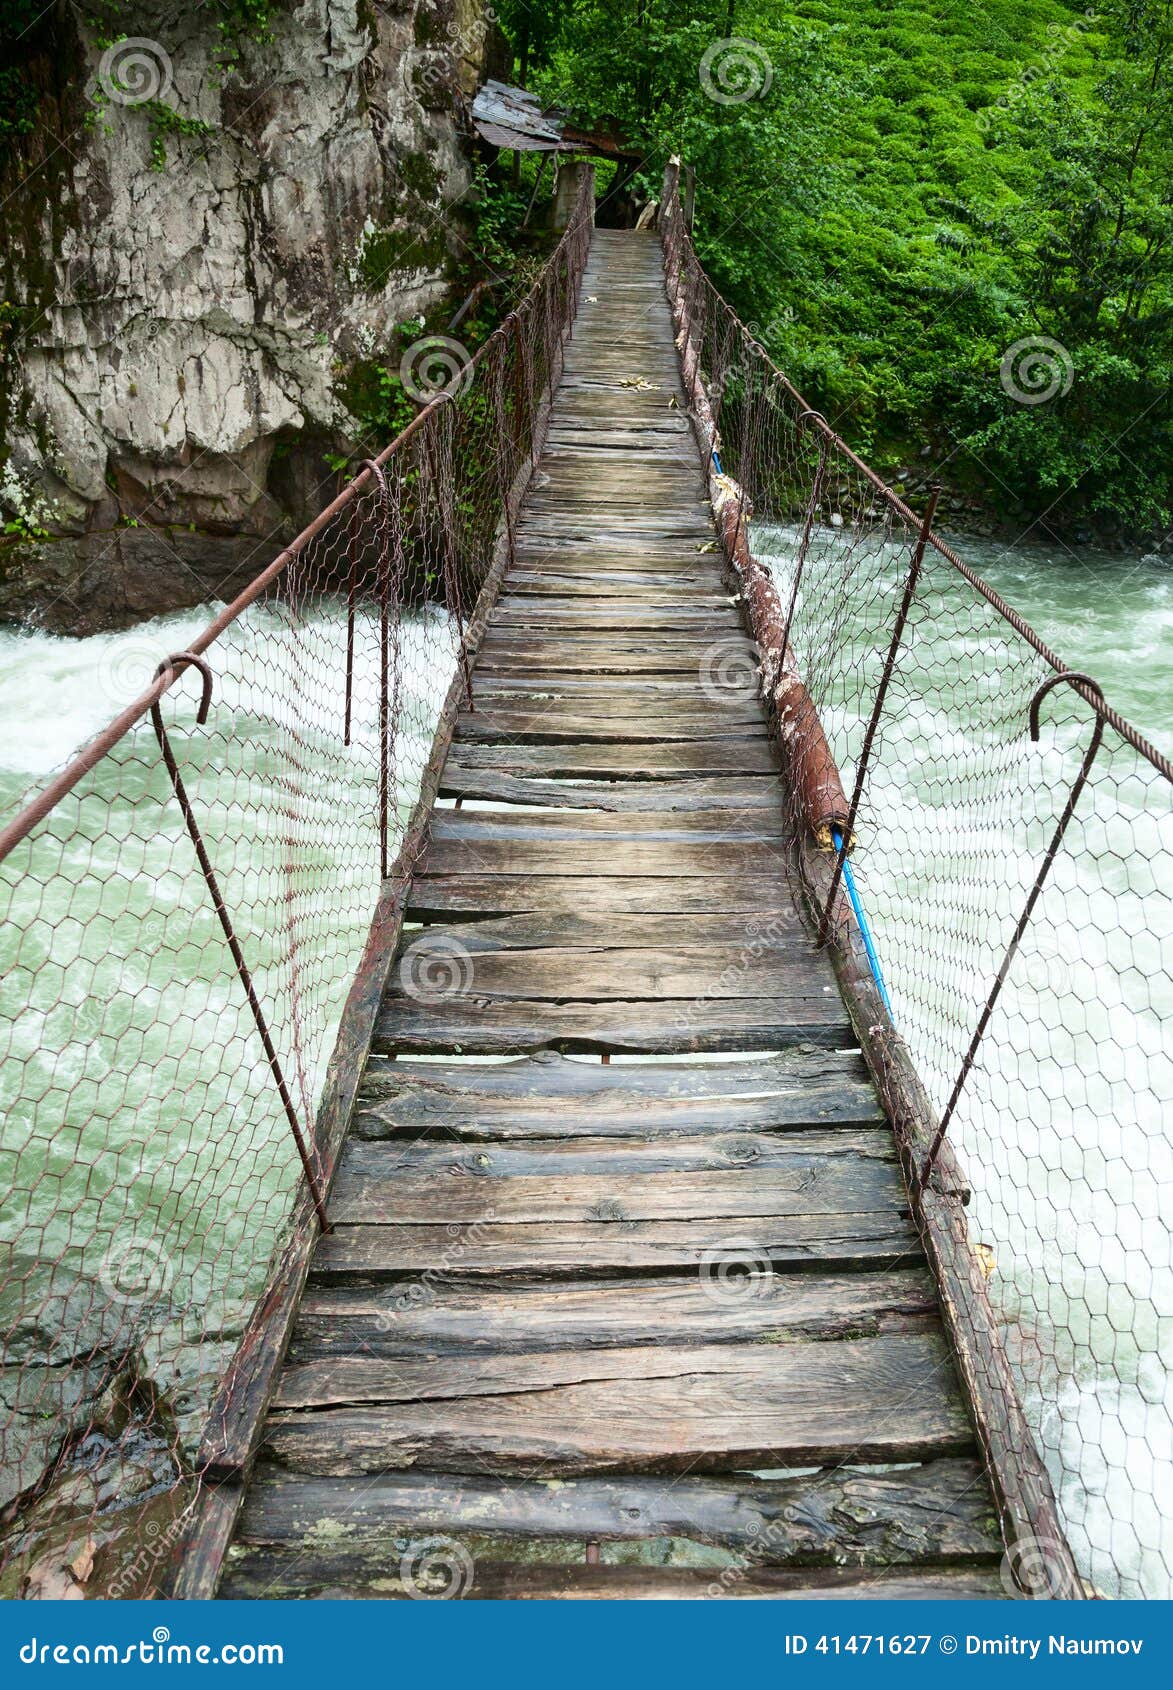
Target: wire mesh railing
x=1009 y=836
x=181 y=914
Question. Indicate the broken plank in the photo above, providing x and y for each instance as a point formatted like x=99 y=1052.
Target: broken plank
x=713 y=1409
x=554 y=1096
x=736 y=1297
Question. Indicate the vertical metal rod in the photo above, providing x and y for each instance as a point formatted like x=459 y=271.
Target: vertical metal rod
x=910 y=586
x=1072 y=677
x=225 y=920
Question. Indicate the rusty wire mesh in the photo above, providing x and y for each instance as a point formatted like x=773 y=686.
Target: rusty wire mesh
x=148 y=1166
x=1062 y=1126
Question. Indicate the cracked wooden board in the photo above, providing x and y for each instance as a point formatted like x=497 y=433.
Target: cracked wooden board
x=720 y=1408
x=557 y=1097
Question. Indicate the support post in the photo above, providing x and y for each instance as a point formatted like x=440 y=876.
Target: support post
x=572 y=172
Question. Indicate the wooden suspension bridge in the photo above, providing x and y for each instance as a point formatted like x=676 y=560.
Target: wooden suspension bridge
x=593 y=1320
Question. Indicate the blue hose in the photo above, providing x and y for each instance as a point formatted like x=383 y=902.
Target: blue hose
x=869 y=943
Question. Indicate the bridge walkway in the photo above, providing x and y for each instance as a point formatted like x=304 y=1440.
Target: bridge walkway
x=623 y=1297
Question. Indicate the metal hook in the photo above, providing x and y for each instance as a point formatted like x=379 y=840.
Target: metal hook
x=1073 y=678
x=176 y=664
x=376 y=470
x=809 y=415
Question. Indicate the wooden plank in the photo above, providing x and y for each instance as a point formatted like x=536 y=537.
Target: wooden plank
x=341 y=1331
x=717 y=823
x=711 y=1409
x=783 y=932
x=667 y=1027
x=846 y=1179
x=332 y=1573
x=619 y=762
x=457 y=976
x=938 y=1511
x=433 y=896
x=607 y=1156
x=758 y=792
x=553 y=1096
x=603 y=859
x=501 y=1252
x=554 y=726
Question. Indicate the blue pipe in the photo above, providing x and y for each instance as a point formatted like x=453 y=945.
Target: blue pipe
x=869 y=944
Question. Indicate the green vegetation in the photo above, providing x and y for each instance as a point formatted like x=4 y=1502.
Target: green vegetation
x=914 y=187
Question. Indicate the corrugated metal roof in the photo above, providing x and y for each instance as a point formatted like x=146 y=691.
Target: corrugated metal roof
x=515 y=118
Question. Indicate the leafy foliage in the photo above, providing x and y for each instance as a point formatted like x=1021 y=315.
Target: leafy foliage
x=922 y=185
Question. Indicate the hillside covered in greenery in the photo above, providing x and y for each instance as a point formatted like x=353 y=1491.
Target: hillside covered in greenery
x=909 y=189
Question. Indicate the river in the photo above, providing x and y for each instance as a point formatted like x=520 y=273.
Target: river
x=1093 y=1370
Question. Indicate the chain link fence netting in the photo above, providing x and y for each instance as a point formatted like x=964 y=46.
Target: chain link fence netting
x=1061 y=1123
x=149 y=1162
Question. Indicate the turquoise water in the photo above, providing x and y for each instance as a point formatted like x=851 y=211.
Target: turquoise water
x=1065 y=1136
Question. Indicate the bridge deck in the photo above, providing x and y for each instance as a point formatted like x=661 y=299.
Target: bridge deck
x=524 y=1335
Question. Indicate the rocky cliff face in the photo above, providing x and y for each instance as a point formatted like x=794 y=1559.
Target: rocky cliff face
x=202 y=255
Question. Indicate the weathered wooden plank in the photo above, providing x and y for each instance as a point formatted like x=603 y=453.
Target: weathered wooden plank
x=609 y=1157
x=831 y=1181
x=782 y=932
x=553 y=726
x=331 y=1574
x=722 y=1408
x=501 y=1252
x=669 y=1026
x=450 y=973
x=341 y=1329
x=620 y=762
x=432 y=896
x=758 y=792
x=938 y=1511
x=556 y=1097
x=604 y=859
x=690 y=827
x=518 y=611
